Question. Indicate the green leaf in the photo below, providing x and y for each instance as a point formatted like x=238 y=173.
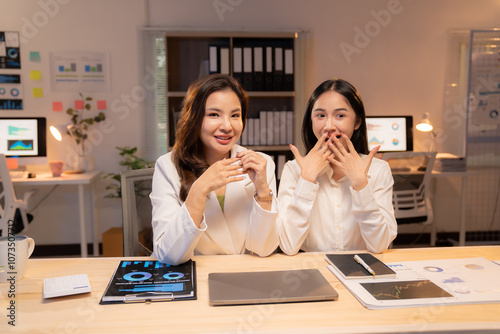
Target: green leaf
x=88 y=106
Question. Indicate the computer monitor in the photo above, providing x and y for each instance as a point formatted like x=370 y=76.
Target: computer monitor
x=24 y=138
x=393 y=133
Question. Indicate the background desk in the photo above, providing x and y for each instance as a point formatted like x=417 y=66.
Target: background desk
x=87 y=179
x=83 y=314
x=463 y=204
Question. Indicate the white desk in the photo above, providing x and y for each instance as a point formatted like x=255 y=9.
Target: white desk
x=81 y=180
x=463 y=204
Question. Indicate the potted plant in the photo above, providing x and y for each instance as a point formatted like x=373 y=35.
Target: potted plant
x=80 y=125
x=130 y=161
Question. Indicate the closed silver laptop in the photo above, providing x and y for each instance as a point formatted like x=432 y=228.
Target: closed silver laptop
x=261 y=287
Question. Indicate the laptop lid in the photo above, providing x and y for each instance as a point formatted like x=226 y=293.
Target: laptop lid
x=269 y=287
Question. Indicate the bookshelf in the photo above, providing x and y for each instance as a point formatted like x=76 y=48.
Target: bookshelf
x=275 y=90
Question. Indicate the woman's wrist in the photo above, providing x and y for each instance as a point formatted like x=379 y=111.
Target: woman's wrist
x=359 y=183
x=262 y=192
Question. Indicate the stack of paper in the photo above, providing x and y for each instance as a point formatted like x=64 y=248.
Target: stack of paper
x=446 y=162
x=431 y=282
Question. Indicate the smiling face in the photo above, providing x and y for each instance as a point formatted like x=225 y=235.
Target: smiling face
x=222 y=125
x=332 y=114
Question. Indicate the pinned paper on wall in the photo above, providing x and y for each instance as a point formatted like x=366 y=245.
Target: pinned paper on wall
x=11 y=91
x=37 y=92
x=79 y=104
x=72 y=71
x=35 y=75
x=57 y=106
x=10 y=55
x=34 y=56
x=101 y=105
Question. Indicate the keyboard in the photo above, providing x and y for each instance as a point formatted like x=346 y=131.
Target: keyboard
x=66 y=285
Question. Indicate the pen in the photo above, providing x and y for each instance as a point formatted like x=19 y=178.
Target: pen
x=363 y=263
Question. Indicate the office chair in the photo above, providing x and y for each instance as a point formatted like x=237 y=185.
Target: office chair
x=13 y=213
x=411 y=195
x=136 y=210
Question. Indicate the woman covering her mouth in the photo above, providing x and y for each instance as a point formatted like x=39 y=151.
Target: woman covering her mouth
x=338 y=196
x=211 y=196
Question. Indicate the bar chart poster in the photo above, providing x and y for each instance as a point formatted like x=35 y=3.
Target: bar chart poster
x=11 y=93
x=79 y=71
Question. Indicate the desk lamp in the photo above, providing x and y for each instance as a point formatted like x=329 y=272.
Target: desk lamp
x=58 y=130
x=425 y=125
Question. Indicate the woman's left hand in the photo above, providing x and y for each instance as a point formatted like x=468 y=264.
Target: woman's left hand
x=255 y=165
x=350 y=162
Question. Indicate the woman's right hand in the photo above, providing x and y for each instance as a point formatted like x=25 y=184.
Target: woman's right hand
x=315 y=162
x=218 y=175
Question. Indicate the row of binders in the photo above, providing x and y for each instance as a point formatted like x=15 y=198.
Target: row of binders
x=271 y=128
x=258 y=68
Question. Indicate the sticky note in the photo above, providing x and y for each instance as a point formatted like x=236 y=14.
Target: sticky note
x=37 y=92
x=35 y=75
x=34 y=56
x=101 y=105
x=57 y=106
x=79 y=104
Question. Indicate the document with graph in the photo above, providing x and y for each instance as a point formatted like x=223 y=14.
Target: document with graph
x=431 y=282
x=149 y=281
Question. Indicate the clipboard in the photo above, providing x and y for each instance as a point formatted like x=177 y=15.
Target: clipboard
x=150 y=281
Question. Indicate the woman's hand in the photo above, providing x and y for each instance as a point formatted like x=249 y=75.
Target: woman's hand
x=255 y=166
x=219 y=175
x=315 y=162
x=216 y=176
x=349 y=161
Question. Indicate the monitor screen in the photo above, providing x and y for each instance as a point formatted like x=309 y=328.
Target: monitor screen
x=24 y=138
x=393 y=133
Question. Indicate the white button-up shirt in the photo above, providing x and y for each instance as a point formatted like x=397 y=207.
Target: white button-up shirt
x=243 y=227
x=330 y=215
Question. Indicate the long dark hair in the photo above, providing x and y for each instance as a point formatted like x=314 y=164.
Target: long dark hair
x=344 y=88
x=188 y=153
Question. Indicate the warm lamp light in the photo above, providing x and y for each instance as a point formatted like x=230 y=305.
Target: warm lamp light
x=56 y=133
x=60 y=129
x=425 y=124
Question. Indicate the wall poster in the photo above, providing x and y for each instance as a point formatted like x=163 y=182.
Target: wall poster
x=11 y=92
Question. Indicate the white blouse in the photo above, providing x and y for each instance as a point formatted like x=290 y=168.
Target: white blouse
x=332 y=216
x=243 y=226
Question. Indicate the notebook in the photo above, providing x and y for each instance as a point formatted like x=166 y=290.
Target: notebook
x=269 y=287
x=346 y=266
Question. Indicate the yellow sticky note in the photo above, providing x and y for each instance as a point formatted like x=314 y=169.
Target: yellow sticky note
x=35 y=75
x=37 y=92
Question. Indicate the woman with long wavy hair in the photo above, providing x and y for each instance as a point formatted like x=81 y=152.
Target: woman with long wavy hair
x=210 y=195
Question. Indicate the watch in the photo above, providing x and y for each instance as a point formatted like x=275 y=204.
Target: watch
x=268 y=198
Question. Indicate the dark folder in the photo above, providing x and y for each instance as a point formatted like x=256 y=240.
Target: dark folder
x=278 y=69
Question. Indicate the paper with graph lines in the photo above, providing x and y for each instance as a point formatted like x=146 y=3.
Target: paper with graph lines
x=430 y=283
